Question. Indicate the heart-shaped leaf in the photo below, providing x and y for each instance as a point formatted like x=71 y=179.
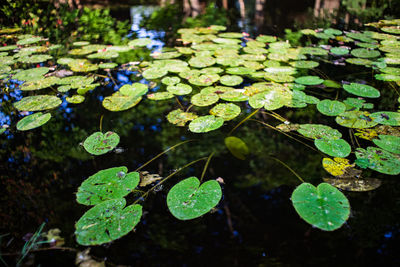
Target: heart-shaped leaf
x=324 y=207
x=99 y=143
x=186 y=200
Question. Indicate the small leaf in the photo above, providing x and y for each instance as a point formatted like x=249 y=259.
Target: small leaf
x=237 y=147
x=99 y=143
x=205 y=124
x=33 y=121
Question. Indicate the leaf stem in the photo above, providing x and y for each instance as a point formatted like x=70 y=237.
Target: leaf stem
x=244 y=120
x=101 y=123
x=206 y=166
x=290 y=169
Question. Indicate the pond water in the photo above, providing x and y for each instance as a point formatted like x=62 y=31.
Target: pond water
x=254 y=224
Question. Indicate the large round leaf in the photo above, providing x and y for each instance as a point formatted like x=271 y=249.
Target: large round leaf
x=37 y=102
x=33 y=121
x=227 y=111
x=179 y=89
x=186 y=200
x=309 y=80
x=106 y=222
x=365 y=53
x=107 y=184
x=179 y=118
x=203 y=100
x=324 y=207
x=389 y=143
x=380 y=160
x=205 y=124
x=386 y=118
x=317 y=131
x=331 y=107
x=335 y=148
x=136 y=89
x=99 y=143
x=31 y=74
x=154 y=73
x=39 y=84
x=356 y=119
x=361 y=90
x=120 y=102
x=272 y=98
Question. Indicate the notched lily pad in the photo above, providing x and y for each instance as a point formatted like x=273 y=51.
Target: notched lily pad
x=179 y=118
x=205 y=124
x=99 y=143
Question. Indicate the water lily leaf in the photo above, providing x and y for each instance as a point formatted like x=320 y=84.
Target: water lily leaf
x=39 y=84
x=211 y=70
x=188 y=200
x=237 y=147
x=379 y=160
x=179 y=118
x=255 y=50
x=340 y=167
x=254 y=65
x=365 y=53
x=202 y=62
x=271 y=99
x=309 y=80
x=35 y=58
x=120 y=102
x=234 y=96
x=166 y=55
x=340 y=51
x=33 y=121
x=335 y=148
x=356 y=185
x=318 y=131
x=75 y=99
x=80 y=43
x=324 y=207
x=99 y=143
x=154 y=73
x=313 y=51
x=204 y=80
x=107 y=65
x=203 y=100
x=106 y=222
x=112 y=183
x=136 y=89
x=227 y=111
x=141 y=42
x=362 y=90
x=331 y=107
x=389 y=143
x=170 y=80
x=227 y=41
x=31 y=74
x=359 y=61
x=8 y=48
x=160 y=96
x=104 y=55
x=230 y=35
x=180 y=89
x=30 y=40
x=205 y=124
x=279 y=77
x=82 y=65
x=387 y=77
x=356 y=119
x=65 y=60
x=358 y=103
x=231 y=80
x=37 y=102
x=239 y=71
x=304 y=64
x=189 y=74
x=266 y=38
x=6 y=60
x=391 y=29
x=331 y=31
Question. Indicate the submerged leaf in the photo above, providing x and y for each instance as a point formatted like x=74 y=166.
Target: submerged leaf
x=237 y=147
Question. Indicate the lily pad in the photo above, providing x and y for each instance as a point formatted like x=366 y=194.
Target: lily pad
x=179 y=118
x=112 y=183
x=380 y=160
x=205 y=124
x=154 y=73
x=331 y=107
x=136 y=89
x=271 y=99
x=389 y=143
x=160 y=96
x=75 y=99
x=188 y=200
x=309 y=80
x=99 y=143
x=120 y=102
x=365 y=53
x=170 y=80
x=304 y=64
x=39 y=84
x=231 y=80
x=355 y=185
x=201 y=62
x=203 y=100
x=356 y=119
x=141 y=42
x=318 y=131
x=37 y=102
x=324 y=207
x=33 y=121
x=362 y=90
x=237 y=147
x=339 y=167
x=180 y=89
x=31 y=74
x=106 y=222
x=335 y=148
x=340 y=51
x=227 y=111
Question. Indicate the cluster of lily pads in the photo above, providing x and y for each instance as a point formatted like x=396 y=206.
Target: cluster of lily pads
x=213 y=76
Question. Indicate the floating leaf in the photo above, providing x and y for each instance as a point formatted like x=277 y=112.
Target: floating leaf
x=188 y=200
x=231 y=80
x=324 y=207
x=154 y=73
x=304 y=64
x=380 y=160
x=31 y=74
x=340 y=51
x=389 y=143
x=361 y=90
x=107 y=65
x=160 y=96
x=180 y=89
x=35 y=58
x=75 y=99
x=356 y=119
x=82 y=65
x=112 y=183
x=227 y=111
x=170 y=80
x=106 y=222
x=33 y=121
x=179 y=118
x=318 y=131
x=365 y=53
x=203 y=100
x=201 y=62
x=356 y=185
x=140 y=42
x=37 y=102
x=386 y=118
x=331 y=107
x=340 y=167
x=39 y=84
x=271 y=99
x=335 y=148
x=204 y=80
x=205 y=124
x=309 y=80
x=120 y=102
x=136 y=89
x=237 y=147
x=99 y=143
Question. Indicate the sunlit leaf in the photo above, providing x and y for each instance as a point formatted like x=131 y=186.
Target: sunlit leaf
x=380 y=160
x=38 y=102
x=33 y=121
x=99 y=143
x=205 y=124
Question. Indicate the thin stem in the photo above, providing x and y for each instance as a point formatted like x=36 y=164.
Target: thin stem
x=394 y=87
x=189 y=107
x=162 y=153
x=101 y=123
x=206 y=166
x=179 y=103
x=290 y=169
x=166 y=178
x=355 y=138
x=245 y=119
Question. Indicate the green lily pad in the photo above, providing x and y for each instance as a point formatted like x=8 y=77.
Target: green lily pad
x=231 y=80
x=324 y=207
x=82 y=65
x=170 y=80
x=313 y=51
x=227 y=111
x=271 y=99
x=104 y=55
x=8 y=48
x=391 y=29
x=39 y=84
x=356 y=119
x=365 y=53
x=386 y=118
x=188 y=200
x=179 y=118
x=304 y=64
x=154 y=73
x=141 y=42
x=106 y=222
x=387 y=77
x=80 y=43
x=234 y=96
x=230 y=35
x=203 y=100
x=237 y=147
x=112 y=183
x=331 y=31
x=99 y=143
x=37 y=102
x=75 y=99
x=136 y=89
x=239 y=71
x=359 y=61
x=107 y=65
x=340 y=51
x=201 y=62
x=160 y=96
x=205 y=124
x=335 y=148
x=120 y=102
x=362 y=90
x=380 y=160
x=331 y=107
x=166 y=55
x=35 y=58
x=309 y=80
x=389 y=143
x=318 y=131
x=33 y=121
x=180 y=89
x=31 y=74
x=30 y=40
x=204 y=80
x=266 y=38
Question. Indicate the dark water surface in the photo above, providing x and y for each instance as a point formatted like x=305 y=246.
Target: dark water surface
x=255 y=224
